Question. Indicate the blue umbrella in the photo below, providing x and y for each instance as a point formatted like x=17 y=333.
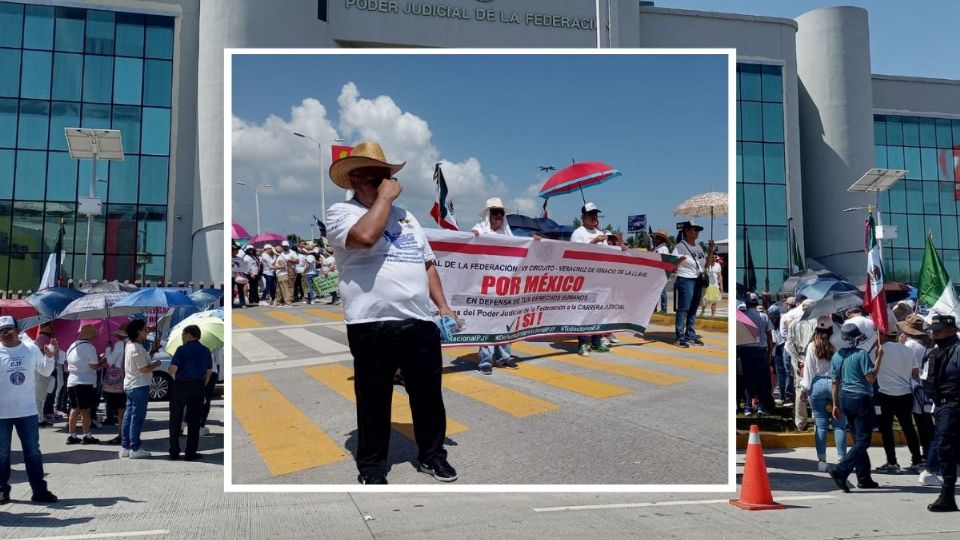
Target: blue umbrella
x=821 y=288
x=50 y=302
x=207 y=298
x=152 y=297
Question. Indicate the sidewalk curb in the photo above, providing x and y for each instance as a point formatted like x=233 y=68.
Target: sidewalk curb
x=704 y=324
x=771 y=439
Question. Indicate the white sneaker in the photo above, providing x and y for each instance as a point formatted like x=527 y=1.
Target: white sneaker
x=124 y=452
x=927 y=478
x=204 y=431
x=822 y=466
x=613 y=339
x=139 y=454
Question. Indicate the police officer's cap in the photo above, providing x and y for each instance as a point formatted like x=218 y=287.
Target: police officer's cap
x=943 y=322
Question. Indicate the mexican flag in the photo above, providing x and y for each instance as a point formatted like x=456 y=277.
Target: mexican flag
x=936 y=289
x=442 y=211
x=874 y=299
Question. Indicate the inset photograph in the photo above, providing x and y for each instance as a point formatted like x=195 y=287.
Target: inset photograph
x=488 y=269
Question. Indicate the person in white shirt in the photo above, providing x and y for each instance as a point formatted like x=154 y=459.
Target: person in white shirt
x=309 y=273
x=240 y=280
x=329 y=265
x=20 y=363
x=714 y=292
x=44 y=335
x=688 y=288
x=799 y=334
x=494 y=222
x=660 y=246
x=112 y=384
x=286 y=267
x=268 y=259
x=138 y=366
x=914 y=335
x=896 y=377
x=817 y=387
x=301 y=266
x=251 y=266
x=388 y=280
x=82 y=364
x=590 y=233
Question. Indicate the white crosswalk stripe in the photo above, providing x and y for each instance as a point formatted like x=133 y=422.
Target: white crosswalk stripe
x=314 y=341
x=254 y=349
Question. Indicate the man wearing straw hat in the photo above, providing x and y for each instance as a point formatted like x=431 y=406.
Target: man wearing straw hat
x=494 y=222
x=660 y=246
x=387 y=280
x=82 y=363
x=916 y=338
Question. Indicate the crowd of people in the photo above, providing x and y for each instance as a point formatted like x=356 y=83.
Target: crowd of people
x=281 y=276
x=853 y=378
x=44 y=385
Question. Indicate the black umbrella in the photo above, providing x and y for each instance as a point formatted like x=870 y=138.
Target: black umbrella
x=805 y=277
x=834 y=302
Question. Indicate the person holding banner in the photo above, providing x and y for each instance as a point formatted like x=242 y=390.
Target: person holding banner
x=691 y=279
x=590 y=233
x=388 y=279
x=660 y=246
x=494 y=222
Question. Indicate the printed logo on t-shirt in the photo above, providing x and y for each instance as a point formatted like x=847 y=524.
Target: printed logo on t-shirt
x=17 y=378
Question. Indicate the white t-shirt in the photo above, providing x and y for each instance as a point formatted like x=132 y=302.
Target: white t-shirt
x=787 y=319
x=662 y=249
x=289 y=259
x=250 y=265
x=386 y=282
x=301 y=263
x=896 y=369
x=310 y=264
x=268 y=261
x=134 y=358
x=813 y=367
x=584 y=235
x=694 y=262
x=919 y=353
x=714 y=273
x=79 y=358
x=18 y=368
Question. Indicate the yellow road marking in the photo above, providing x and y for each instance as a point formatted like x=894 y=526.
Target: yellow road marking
x=668 y=336
x=649 y=344
x=242 y=321
x=288 y=318
x=339 y=378
x=676 y=361
x=332 y=315
x=505 y=399
x=567 y=381
x=624 y=370
x=287 y=440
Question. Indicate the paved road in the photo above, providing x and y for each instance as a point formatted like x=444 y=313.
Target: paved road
x=645 y=413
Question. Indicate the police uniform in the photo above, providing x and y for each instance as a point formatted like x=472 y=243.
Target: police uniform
x=944 y=382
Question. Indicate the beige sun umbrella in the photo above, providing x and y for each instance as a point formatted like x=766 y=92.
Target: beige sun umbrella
x=706 y=204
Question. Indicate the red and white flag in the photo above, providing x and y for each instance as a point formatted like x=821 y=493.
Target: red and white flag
x=442 y=211
x=875 y=300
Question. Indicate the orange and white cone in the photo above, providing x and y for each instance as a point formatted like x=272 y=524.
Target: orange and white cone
x=755 y=491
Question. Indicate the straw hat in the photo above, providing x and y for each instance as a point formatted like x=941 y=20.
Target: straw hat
x=364 y=154
x=87 y=331
x=661 y=233
x=122 y=331
x=912 y=325
x=493 y=202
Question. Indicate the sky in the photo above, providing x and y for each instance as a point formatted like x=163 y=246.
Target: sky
x=490 y=120
x=919 y=38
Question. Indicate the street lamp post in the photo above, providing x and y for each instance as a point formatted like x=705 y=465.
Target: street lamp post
x=323 y=201
x=256 y=199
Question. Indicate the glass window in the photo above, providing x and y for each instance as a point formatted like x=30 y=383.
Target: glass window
x=900 y=220
x=127 y=81
x=153 y=180
x=757 y=236
x=96 y=116
x=67 y=76
x=96 y=240
x=157 y=82
x=895 y=157
x=917 y=232
x=945 y=162
x=752 y=162
x=752 y=120
x=741 y=250
x=8 y=123
x=34 y=122
x=894 y=131
x=38 y=28
x=31 y=175
x=99 y=32
x=152 y=229
x=777 y=246
x=152 y=269
x=121 y=235
x=930 y=169
x=127 y=120
x=51 y=230
x=123 y=180
x=898 y=193
x=35 y=80
x=911 y=132
x=98 y=79
x=776 y=205
x=948 y=206
x=914 y=196
x=24 y=268
x=160 y=41
x=879 y=130
x=156 y=131
x=27 y=228
x=773 y=164
x=773 y=122
x=880 y=156
x=911 y=162
x=899 y=264
x=62 y=115
x=78 y=259
x=928 y=133
x=956 y=132
x=739 y=162
x=6 y=175
x=931 y=198
x=11 y=27
x=740 y=219
x=948 y=232
x=61 y=177
x=750 y=82
x=6 y=218
x=771 y=83
x=951 y=260
x=120 y=267
x=737 y=118
x=753 y=204
x=69 y=29
x=129 y=34
x=9 y=72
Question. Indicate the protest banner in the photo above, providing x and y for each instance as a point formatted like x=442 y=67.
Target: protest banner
x=512 y=288
x=323 y=285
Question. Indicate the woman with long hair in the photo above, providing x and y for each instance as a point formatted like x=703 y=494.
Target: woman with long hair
x=816 y=386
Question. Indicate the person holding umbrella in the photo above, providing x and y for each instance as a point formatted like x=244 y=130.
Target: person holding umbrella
x=191 y=368
x=690 y=282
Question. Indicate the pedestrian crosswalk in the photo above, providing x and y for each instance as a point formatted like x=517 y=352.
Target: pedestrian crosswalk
x=551 y=378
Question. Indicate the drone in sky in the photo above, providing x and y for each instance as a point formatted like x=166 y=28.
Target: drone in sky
x=547 y=168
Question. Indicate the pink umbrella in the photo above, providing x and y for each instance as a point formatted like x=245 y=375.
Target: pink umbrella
x=260 y=240
x=578 y=176
x=747 y=331
x=66 y=331
x=239 y=231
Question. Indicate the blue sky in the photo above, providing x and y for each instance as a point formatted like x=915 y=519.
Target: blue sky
x=492 y=119
x=918 y=38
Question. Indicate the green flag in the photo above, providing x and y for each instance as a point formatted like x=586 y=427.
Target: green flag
x=936 y=289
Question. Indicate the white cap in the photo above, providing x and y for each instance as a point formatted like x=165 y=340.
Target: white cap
x=589 y=207
x=285 y=244
x=7 y=321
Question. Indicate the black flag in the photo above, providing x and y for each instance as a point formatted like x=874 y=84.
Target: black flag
x=750 y=273
x=58 y=253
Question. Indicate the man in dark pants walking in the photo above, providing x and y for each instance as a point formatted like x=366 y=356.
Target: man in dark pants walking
x=388 y=278
x=853 y=376
x=944 y=382
x=191 y=368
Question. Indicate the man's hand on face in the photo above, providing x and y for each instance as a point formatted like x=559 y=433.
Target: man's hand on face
x=389 y=189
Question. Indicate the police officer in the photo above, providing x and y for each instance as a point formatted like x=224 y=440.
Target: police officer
x=944 y=381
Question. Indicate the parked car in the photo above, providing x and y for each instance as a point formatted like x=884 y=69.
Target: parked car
x=162 y=381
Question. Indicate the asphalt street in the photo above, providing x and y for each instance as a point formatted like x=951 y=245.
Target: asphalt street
x=644 y=413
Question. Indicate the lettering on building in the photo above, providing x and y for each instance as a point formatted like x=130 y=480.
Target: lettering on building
x=480 y=15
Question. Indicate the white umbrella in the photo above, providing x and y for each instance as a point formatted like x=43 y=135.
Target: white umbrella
x=706 y=204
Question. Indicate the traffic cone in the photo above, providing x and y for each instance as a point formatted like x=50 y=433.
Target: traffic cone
x=755 y=491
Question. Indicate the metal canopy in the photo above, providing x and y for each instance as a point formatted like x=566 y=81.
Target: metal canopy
x=877 y=180
x=86 y=143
